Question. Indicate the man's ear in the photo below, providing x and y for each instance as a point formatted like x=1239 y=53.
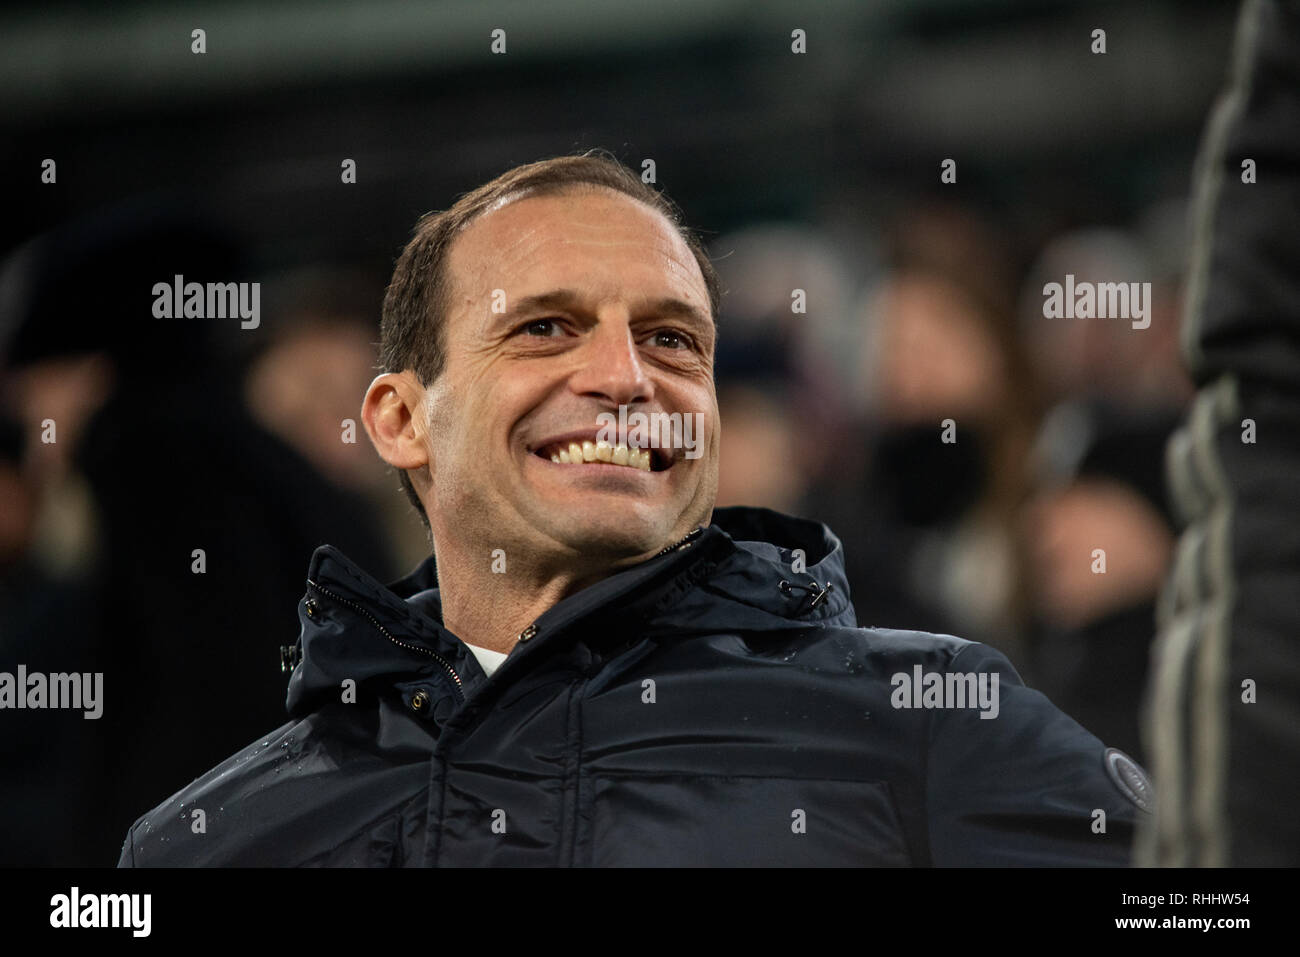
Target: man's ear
x=394 y=421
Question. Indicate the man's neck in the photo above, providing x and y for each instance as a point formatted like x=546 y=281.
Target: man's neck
x=490 y=608
x=489 y=604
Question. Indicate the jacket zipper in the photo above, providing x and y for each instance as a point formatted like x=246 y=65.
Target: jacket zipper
x=460 y=689
x=529 y=633
x=690 y=536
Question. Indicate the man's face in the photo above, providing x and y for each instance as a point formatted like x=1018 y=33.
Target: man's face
x=561 y=308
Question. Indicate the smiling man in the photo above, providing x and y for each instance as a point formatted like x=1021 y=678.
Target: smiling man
x=595 y=666
x=560 y=307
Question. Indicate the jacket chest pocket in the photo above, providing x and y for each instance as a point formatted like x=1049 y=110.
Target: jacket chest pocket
x=632 y=820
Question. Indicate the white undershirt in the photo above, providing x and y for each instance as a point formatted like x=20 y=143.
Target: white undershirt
x=489 y=660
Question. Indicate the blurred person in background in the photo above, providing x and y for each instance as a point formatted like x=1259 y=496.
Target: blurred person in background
x=1092 y=631
x=780 y=280
x=302 y=379
x=1114 y=393
x=1100 y=362
x=45 y=623
x=932 y=517
x=154 y=457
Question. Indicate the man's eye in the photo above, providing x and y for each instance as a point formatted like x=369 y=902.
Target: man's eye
x=541 y=327
x=670 y=340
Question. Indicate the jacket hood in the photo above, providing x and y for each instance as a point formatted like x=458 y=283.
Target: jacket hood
x=751 y=570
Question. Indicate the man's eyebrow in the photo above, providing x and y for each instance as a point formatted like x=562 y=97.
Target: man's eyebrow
x=668 y=306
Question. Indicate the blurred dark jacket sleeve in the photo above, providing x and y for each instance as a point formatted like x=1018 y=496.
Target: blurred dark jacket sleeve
x=1222 y=720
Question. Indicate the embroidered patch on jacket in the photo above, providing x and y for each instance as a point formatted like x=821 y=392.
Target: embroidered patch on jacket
x=1129 y=777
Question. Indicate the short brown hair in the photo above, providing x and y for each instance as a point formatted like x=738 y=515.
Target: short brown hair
x=415 y=305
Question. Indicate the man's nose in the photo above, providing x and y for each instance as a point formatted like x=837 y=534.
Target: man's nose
x=612 y=367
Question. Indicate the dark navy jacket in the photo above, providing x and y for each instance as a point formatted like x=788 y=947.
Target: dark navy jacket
x=710 y=706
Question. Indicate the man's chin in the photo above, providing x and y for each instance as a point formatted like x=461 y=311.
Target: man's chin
x=619 y=539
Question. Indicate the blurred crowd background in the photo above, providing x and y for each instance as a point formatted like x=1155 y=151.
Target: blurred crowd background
x=817 y=172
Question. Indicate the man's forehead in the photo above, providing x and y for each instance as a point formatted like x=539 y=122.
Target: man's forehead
x=527 y=236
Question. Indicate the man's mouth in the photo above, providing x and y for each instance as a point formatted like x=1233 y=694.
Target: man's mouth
x=597 y=452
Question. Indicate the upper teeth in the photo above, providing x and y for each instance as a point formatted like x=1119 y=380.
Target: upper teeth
x=588 y=451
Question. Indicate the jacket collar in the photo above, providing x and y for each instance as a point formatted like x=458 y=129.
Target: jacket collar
x=738 y=574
